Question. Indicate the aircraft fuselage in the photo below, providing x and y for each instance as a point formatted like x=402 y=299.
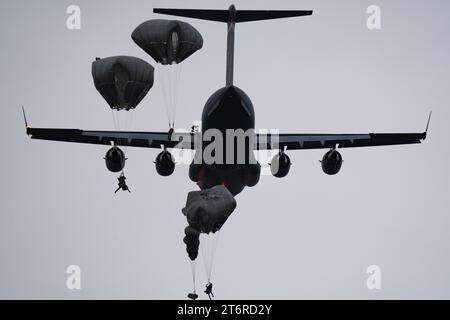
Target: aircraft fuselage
x=227 y=108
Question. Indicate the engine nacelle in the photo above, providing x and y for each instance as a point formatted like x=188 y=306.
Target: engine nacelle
x=115 y=159
x=165 y=164
x=332 y=162
x=280 y=165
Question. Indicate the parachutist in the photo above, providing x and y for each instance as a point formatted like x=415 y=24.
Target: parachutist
x=208 y=290
x=170 y=133
x=193 y=296
x=122 y=183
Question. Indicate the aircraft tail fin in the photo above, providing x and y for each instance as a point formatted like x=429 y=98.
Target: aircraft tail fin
x=241 y=15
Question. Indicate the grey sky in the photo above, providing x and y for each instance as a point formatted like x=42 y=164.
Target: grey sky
x=306 y=236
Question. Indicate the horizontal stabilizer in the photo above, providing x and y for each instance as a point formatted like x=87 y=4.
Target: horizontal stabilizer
x=241 y=15
x=255 y=15
x=212 y=15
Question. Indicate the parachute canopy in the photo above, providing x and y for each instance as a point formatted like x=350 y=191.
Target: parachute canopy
x=123 y=81
x=207 y=210
x=192 y=241
x=168 y=41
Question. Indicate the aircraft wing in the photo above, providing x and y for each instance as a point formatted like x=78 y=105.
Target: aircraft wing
x=119 y=138
x=261 y=142
x=298 y=141
x=327 y=141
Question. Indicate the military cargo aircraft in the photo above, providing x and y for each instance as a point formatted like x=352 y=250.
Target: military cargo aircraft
x=228 y=108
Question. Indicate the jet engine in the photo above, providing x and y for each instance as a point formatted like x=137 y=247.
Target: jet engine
x=332 y=162
x=165 y=164
x=115 y=159
x=280 y=165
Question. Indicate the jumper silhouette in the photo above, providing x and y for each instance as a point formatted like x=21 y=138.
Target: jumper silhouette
x=122 y=183
x=170 y=133
x=208 y=290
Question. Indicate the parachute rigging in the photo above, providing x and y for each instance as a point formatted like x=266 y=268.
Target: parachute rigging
x=170 y=77
x=193 y=269
x=209 y=244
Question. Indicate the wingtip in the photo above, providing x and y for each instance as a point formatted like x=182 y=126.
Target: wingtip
x=428 y=122
x=428 y=125
x=27 y=127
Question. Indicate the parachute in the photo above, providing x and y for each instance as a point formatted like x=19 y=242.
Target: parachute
x=207 y=210
x=192 y=241
x=168 y=41
x=123 y=81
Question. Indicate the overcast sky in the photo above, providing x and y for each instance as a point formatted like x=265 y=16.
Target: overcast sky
x=306 y=236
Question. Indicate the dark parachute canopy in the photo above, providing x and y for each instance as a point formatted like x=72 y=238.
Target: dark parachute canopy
x=207 y=210
x=192 y=241
x=168 y=41
x=123 y=81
